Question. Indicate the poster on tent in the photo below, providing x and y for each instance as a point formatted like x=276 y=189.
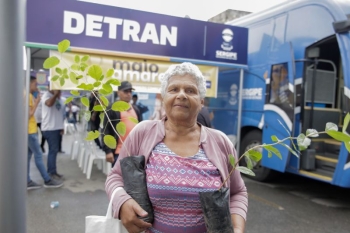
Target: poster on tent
x=145 y=75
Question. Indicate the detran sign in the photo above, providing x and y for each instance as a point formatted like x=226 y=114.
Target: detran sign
x=132 y=32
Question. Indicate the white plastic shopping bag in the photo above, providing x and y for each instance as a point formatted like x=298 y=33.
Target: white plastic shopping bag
x=104 y=224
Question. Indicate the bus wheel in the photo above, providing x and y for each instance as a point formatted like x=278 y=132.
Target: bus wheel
x=251 y=139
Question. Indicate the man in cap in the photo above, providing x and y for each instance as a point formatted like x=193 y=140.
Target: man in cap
x=125 y=94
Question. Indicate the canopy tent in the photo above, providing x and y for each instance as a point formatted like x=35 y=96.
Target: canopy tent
x=101 y=30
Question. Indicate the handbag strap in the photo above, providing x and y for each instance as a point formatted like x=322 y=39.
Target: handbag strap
x=109 y=210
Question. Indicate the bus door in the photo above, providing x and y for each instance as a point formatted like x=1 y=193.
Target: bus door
x=279 y=105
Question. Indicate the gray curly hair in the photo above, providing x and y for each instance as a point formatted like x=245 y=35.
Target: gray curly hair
x=183 y=69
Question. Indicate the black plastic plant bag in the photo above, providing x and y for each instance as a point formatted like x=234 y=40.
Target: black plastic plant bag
x=134 y=176
x=216 y=210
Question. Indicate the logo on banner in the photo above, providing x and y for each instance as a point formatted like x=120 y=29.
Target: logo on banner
x=227 y=36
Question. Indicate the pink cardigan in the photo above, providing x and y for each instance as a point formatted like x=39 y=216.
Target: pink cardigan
x=147 y=134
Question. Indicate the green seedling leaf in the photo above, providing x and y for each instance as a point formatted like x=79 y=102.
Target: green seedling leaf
x=65 y=71
x=110 y=141
x=104 y=100
x=79 y=77
x=92 y=135
x=102 y=77
x=346 y=122
x=303 y=141
x=103 y=92
x=97 y=84
x=63 y=46
x=62 y=81
x=73 y=78
x=95 y=72
x=88 y=87
x=98 y=108
x=339 y=136
x=133 y=119
x=58 y=70
x=121 y=128
x=120 y=106
x=77 y=59
x=248 y=162
x=255 y=155
x=269 y=154
x=245 y=170
x=85 y=101
x=290 y=149
x=76 y=93
x=232 y=160
x=273 y=150
x=331 y=126
x=114 y=82
x=75 y=67
x=274 y=138
x=108 y=88
x=312 y=133
x=85 y=58
x=55 y=78
x=109 y=73
x=65 y=76
x=87 y=115
x=68 y=100
x=51 y=62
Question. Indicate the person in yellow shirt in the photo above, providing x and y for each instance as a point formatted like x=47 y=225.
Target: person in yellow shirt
x=33 y=144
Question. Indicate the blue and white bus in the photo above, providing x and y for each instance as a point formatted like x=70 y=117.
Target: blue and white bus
x=299 y=75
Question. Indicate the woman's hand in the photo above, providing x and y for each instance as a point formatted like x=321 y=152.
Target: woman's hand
x=129 y=213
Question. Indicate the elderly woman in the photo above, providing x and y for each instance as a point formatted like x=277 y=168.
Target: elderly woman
x=183 y=158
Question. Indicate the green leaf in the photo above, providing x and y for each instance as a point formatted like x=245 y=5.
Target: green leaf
x=62 y=81
x=104 y=100
x=68 y=100
x=347 y=146
x=103 y=92
x=102 y=77
x=245 y=170
x=120 y=106
x=274 y=138
x=232 y=160
x=95 y=72
x=65 y=71
x=77 y=59
x=109 y=73
x=311 y=133
x=83 y=66
x=76 y=93
x=98 y=108
x=339 y=136
x=248 y=162
x=110 y=141
x=96 y=84
x=303 y=141
x=108 y=88
x=58 y=70
x=255 y=155
x=114 y=82
x=273 y=150
x=133 y=119
x=75 y=67
x=92 y=135
x=63 y=46
x=55 y=78
x=85 y=58
x=51 y=62
x=79 y=77
x=65 y=76
x=73 y=78
x=85 y=101
x=121 y=128
x=88 y=87
x=87 y=115
x=346 y=122
x=269 y=154
x=290 y=149
x=101 y=116
x=331 y=126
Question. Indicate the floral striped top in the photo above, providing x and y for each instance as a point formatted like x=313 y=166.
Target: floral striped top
x=173 y=184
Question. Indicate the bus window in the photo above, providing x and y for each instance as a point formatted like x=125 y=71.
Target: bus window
x=280 y=94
